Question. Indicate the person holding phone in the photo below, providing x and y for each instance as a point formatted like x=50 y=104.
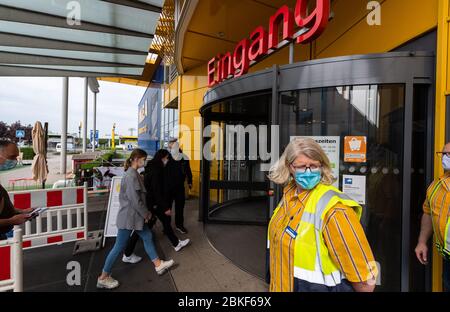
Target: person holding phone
x=9 y=216
x=158 y=203
x=132 y=216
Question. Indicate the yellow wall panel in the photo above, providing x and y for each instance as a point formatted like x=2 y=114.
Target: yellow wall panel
x=400 y=22
x=195 y=79
x=191 y=99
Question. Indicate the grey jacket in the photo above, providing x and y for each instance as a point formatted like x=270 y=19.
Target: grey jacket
x=133 y=208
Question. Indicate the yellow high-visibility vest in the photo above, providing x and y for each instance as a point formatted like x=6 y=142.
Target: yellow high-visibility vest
x=312 y=260
x=444 y=249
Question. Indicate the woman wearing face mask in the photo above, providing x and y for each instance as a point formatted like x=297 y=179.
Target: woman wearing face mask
x=316 y=242
x=132 y=216
x=158 y=203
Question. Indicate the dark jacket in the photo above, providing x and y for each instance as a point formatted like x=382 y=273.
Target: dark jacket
x=186 y=169
x=7 y=209
x=174 y=175
x=155 y=183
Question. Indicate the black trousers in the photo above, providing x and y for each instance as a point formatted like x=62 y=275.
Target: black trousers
x=179 y=197
x=168 y=231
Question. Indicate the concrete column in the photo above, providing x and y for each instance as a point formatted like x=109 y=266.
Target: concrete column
x=64 y=120
x=85 y=115
x=95 y=120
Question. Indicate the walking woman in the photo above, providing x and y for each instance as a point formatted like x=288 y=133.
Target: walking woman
x=315 y=239
x=158 y=203
x=132 y=216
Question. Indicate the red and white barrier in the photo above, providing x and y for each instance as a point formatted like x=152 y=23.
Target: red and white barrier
x=63 y=204
x=68 y=205
x=11 y=265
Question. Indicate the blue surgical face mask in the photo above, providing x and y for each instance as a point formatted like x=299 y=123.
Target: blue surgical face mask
x=446 y=162
x=309 y=179
x=8 y=164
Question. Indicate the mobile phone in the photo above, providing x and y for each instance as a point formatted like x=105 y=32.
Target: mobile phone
x=36 y=212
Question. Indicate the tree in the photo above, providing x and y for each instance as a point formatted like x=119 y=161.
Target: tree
x=3 y=130
x=9 y=131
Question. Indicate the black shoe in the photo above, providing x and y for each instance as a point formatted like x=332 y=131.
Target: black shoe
x=182 y=229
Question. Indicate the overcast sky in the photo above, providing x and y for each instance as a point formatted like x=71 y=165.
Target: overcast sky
x=32 y=99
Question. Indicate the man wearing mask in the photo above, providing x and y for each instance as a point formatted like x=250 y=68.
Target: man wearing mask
x=9 y=216
x=176 y=172
x=436 y=219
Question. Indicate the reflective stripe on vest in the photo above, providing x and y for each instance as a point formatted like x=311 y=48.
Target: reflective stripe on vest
x=312 y=261
x=443 y=250
x=447 y=238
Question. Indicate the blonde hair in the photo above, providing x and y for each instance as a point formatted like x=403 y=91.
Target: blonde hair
x=280 y=173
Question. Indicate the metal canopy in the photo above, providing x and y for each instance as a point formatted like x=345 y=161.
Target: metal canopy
x=98 y=38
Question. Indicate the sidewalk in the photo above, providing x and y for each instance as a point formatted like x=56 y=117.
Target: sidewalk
x=199 y=267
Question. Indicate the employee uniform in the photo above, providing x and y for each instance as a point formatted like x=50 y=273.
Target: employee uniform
x=437 y=205
x=316 y=242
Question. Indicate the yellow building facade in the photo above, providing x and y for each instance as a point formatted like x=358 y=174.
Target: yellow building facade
x=206 y=28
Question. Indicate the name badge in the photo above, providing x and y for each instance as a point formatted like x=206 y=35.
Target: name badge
x=290 y=231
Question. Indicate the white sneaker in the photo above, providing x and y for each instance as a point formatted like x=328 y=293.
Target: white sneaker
x=182 y=244
x=133 y=259
x=164 y=266
x=107 y=283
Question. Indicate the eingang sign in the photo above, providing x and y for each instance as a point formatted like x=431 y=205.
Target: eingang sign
x=260 y=44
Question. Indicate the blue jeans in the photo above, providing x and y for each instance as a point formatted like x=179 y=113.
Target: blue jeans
x=121 y=243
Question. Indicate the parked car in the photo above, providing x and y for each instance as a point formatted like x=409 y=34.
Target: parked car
x=70 y=147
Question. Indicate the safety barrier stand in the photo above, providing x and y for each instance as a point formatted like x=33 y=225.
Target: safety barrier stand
x=64 y=205
x=11 y=263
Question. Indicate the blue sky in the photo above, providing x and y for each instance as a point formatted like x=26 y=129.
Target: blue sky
x=30 y=99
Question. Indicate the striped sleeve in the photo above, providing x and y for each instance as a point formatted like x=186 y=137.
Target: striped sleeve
x=426 y=207
x=426 y=204
x=348 y=245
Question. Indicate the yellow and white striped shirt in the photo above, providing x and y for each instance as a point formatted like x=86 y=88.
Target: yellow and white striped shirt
x=437 y=205
x=343 y=235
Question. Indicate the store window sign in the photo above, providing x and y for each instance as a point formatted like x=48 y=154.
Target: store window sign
x=331 y=145
x=143 y=111
x=355 y=187
x=262 y=43
x=355 y=149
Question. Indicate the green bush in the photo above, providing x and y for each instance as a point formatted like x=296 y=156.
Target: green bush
x=28 y=153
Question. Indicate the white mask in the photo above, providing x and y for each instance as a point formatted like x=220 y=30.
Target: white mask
x=446 y=162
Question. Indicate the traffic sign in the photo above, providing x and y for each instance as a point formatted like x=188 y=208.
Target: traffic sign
x=20 y=134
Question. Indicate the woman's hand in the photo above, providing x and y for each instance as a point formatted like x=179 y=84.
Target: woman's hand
x=168 y=212
x=148 y=218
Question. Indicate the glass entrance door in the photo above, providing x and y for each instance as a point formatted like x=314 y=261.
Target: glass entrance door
x=236 y=187
x=374 y=114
